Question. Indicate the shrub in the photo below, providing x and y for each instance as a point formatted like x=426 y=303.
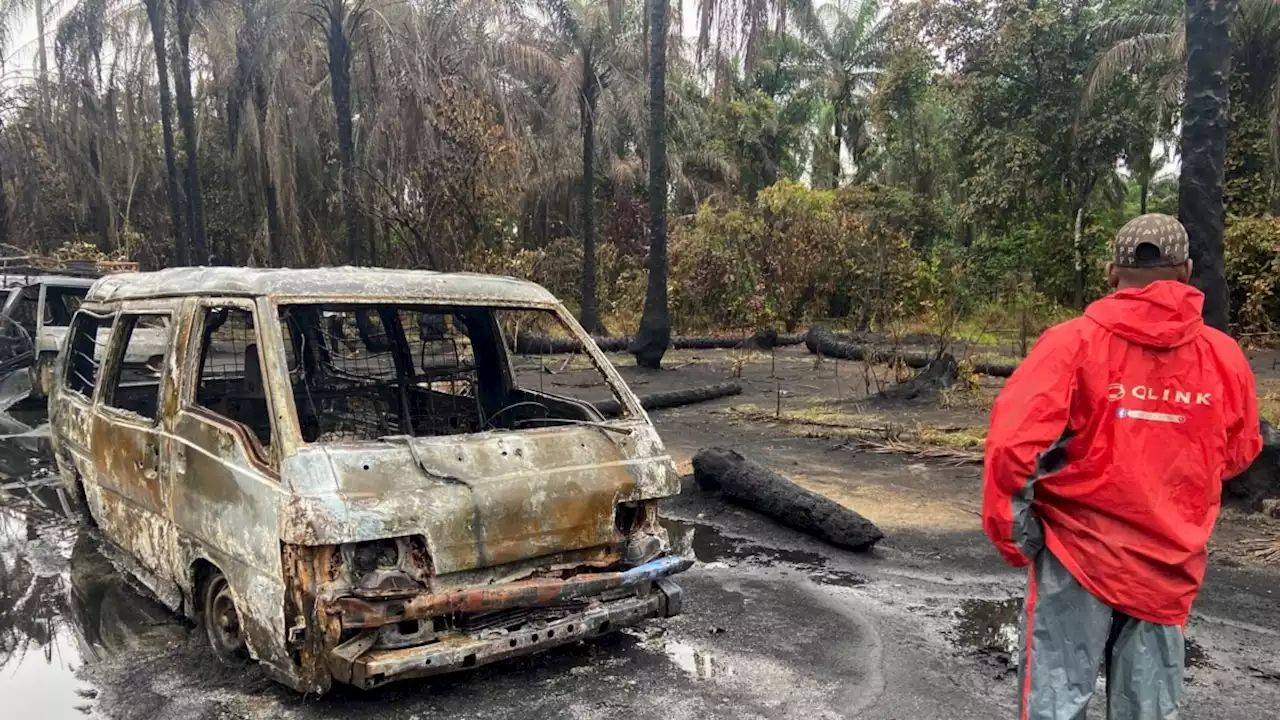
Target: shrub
x=714 y=280
x=783 y=260
x=1253 y=273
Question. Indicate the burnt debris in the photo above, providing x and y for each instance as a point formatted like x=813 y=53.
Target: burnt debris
x=758 y=488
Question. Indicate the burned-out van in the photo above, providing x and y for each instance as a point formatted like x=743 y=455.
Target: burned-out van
x=353 y=474
x=38 y=296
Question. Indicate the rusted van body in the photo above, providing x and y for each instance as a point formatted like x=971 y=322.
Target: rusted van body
x=350 y=474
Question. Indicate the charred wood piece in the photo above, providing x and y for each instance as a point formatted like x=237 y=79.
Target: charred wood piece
x=529 y=344
x=1262 y=480
x=675 y=398
x=822 y=341
x=758 y=488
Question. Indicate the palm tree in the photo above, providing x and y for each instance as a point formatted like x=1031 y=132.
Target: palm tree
x=590 y=33
x=1151 y=48
x=340 y=21
x=1204 y=148
x=654 y=334
x=157 y=18
x=185 y=19
x=255 y=49
x=848 y=38
x=78 y=52
x=1235 y=49
x=12 y=14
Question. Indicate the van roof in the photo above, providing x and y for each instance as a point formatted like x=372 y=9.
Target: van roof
x=17 y=280
x=334 y=283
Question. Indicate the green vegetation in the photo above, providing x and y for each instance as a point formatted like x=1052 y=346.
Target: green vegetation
x=828 y=422
x=953 y=167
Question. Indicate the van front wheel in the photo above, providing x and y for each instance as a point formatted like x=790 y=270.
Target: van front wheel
x=222 y=621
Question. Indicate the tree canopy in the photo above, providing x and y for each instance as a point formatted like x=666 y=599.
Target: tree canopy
x=514 y=135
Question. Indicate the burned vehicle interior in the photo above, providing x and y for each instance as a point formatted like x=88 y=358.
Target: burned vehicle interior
x=366 y=372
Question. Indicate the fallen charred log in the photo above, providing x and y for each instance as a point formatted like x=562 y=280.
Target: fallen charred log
x=823 y=342
x=754 y=486
x=1262 y=480
x=765 y=339
x=530 y=344
x=675 y=398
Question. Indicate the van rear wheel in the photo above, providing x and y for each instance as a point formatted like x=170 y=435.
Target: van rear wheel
x=222 y=621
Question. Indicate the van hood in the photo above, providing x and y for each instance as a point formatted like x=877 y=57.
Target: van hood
x=1164 y=314
x=480 y=500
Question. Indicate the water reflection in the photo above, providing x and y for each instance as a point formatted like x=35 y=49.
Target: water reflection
x=696 y=662
x=708 y=545
x=62 y=604
x=39 y=648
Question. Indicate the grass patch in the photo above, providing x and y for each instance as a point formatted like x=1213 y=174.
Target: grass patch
x=992 y=358
x=1269 y=400
x=1269 y=409
x=828 y=422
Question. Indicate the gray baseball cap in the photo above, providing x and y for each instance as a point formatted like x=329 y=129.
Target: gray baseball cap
x=1165 y=236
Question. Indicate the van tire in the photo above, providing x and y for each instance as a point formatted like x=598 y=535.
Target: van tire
x=221 y=620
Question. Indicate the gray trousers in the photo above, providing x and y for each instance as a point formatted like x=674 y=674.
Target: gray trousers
x=1067 y=634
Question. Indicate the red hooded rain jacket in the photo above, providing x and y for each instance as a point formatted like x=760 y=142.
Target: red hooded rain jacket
x=1110 y=443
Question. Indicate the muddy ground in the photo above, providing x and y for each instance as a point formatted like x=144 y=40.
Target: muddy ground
x=776 y=625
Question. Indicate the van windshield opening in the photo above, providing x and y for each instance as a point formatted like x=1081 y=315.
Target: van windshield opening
x=362 y=372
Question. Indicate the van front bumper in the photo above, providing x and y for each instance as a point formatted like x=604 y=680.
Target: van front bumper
x=656 y=595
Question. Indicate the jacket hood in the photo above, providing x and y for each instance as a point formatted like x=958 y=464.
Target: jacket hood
x=1164 y=314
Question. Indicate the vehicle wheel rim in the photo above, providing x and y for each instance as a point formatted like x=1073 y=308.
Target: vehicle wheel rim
x=223 y=622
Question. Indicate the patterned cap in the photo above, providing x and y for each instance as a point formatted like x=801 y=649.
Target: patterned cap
x=1165 y=235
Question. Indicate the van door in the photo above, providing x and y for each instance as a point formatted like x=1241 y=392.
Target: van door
x=71 y=410
x=131 y=447
x=57 y=304
x=226 y=486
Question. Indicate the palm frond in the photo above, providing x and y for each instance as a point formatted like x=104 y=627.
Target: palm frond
x=1110 y=32
x=1122 y=57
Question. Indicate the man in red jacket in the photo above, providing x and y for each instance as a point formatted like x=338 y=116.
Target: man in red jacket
x=1104 y=468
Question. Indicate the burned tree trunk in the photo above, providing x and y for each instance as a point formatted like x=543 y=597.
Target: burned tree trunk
x=185 y=14
x=675 y=398
x=821 y=341
x=530 y=344
x=1204 y=149
x=157 y=15
x=940 y=374
x=1262 y=480
x=341 y=24
x=654 y=335
x=590 y=95
x=754 y=486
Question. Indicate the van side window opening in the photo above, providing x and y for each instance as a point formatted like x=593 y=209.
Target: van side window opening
x=364 y=372
x=231 y=382
x=135 y=385
x=85 y=349
x=26 y=307
x=60 y=303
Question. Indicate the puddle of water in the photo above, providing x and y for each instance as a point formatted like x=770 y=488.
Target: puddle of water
x=986 y=625
x=698 y=663
x=709 y=545
x=62 y=604
x=992 y=625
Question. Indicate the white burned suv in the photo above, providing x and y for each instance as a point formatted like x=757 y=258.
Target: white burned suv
x=352 y=474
